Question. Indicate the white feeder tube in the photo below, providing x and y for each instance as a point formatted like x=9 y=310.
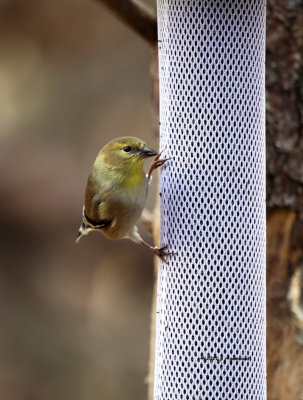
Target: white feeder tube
x=210 y=335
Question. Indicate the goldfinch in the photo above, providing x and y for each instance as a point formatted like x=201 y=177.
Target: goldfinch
x=116 y=191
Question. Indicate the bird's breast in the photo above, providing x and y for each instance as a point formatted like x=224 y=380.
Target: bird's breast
x=124 y=207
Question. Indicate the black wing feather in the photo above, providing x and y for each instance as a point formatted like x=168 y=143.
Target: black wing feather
x=101 y=224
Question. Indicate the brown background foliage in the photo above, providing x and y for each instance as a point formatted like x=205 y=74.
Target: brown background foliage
x=74 y=318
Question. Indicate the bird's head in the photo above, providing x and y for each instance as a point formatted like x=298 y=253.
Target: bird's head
x=126 y=152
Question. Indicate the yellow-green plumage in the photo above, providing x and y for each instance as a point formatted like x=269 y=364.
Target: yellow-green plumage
x=116 y=189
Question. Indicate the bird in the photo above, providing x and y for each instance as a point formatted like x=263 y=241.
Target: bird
x=116 y=191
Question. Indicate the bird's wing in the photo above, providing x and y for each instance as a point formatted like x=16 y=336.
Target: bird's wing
x=88 y=225
x=91 y=224
x=95 y=199
x=92 y=218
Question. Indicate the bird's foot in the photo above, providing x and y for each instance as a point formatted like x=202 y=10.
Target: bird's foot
x=162 y=253
x=158 y=162
x=158 y=251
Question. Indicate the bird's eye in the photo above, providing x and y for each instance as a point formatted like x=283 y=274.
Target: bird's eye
x=127 y=149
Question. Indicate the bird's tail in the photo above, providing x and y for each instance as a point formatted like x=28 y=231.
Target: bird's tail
x=79 y=236
x=83 y=230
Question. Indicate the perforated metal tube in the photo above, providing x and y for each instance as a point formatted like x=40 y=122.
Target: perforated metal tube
x=210 y=340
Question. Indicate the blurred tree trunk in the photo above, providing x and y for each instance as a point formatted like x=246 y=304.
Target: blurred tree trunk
x=284 y=84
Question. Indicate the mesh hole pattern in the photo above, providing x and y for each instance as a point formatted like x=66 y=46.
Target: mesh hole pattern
x=210 y=339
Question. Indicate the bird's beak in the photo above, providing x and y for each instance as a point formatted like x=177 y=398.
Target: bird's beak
x=147 y=152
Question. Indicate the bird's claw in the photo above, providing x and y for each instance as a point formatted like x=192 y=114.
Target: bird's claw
x=157 y=163
x=161 y=253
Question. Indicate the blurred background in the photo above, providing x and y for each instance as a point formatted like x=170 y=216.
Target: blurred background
x=74 y=318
